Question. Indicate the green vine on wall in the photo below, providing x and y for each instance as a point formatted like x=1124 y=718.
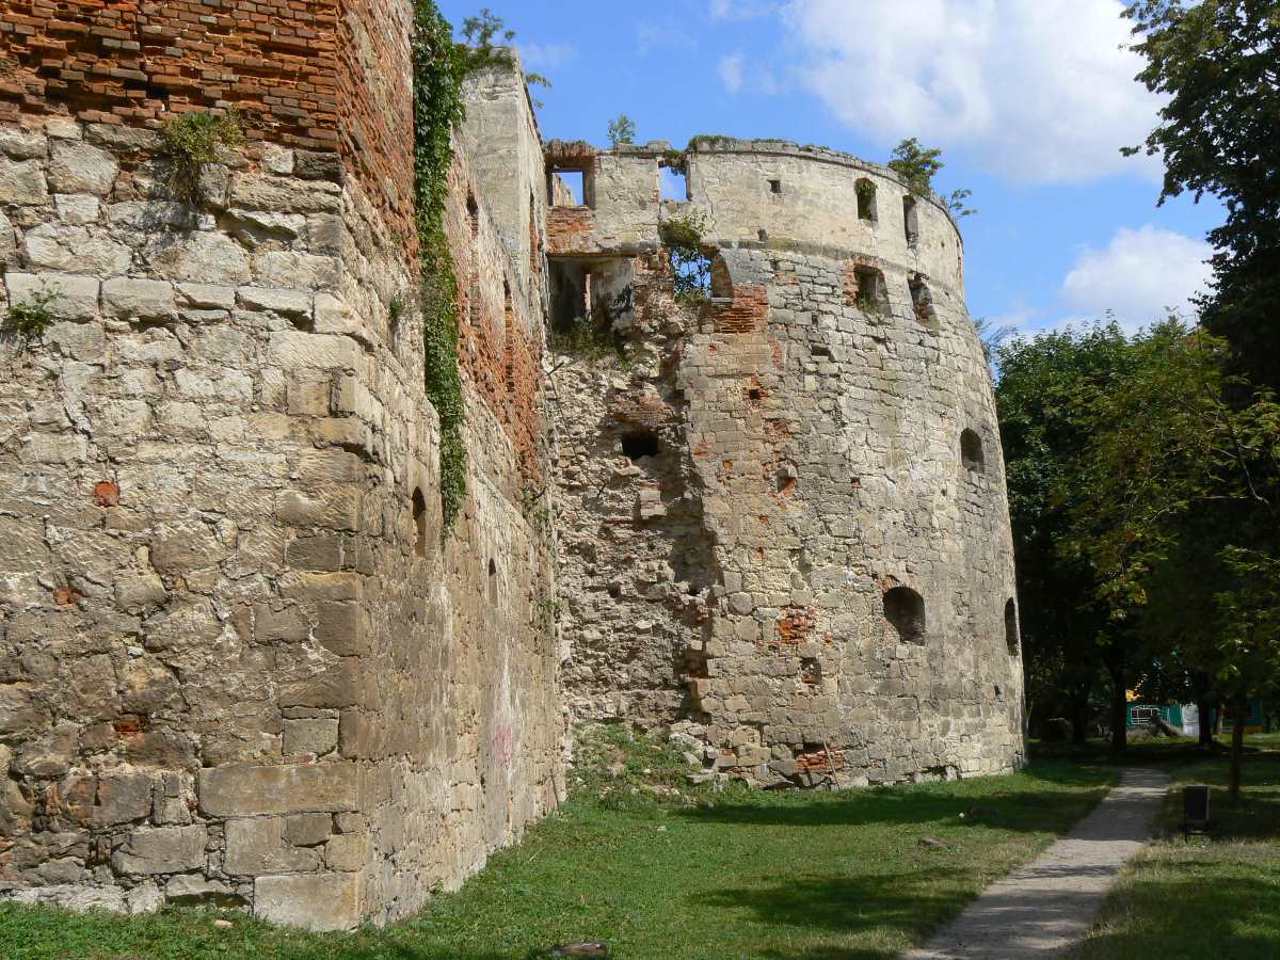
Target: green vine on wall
x=438 y=71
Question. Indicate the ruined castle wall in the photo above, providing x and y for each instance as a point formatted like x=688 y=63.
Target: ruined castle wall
x=237 y=660
x=808 y=461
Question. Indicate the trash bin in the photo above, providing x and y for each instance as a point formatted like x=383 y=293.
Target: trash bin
x=1195 y=809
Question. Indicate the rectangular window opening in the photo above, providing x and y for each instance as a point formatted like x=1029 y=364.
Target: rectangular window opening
x=675 y=185
x=570 y=188
x=775 y=186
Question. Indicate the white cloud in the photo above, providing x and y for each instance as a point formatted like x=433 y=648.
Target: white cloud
x=1040 y=90
x=547 y=56
x=731 y=72
x=1138 y=275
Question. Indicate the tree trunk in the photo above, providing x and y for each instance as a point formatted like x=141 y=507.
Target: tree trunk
x=1119 y=710
x=1240 y=715
x=1080 y=719
x=1204 y=704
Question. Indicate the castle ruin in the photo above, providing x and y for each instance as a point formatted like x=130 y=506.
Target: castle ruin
x=242 y=660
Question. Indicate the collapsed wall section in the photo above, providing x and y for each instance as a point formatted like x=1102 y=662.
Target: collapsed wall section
x=241 y=660
x=827 y=459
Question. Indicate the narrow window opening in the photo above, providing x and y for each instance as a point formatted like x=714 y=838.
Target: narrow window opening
x=904 y=609
x=971 y=451
x=763 y=234
x=569 y=188
x=639 y=444
x=1011 y=626
x=922 y=300
x=493 y=582
x=775 y=186
x=786 y=479
x=910 y=220
x=866 y=191
x=675 y=185
x=872 y=295
x=420 y=522
x=473 y=214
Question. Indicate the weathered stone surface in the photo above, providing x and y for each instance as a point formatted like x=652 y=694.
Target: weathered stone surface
x=76 y=167
x=158 y=850
x=22 y=182
x=324 y=902
x=76 y=298
x=123 y=797
x=243 y=791
x=146 y=299
x=317 y=736
x=293 y=350
x=207 y=258
x=257 y=846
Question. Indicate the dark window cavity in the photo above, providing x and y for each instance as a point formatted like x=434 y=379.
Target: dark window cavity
x=473 y=214
x=775 y=186
x=971 y=451
x=1011 y=627
x=910 y=220
x=640 y=443
x=904 y=609
x=420 y=522
x=922 y=300
x=873 y=294
x=493 y=582
x=866 y=191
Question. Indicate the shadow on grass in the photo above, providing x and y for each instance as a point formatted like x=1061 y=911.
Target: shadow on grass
x=1023 y=808
x=1190 y=919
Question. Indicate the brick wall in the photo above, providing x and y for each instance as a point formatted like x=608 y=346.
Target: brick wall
x=130 y=63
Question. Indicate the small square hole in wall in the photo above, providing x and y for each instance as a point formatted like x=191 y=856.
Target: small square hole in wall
x=674 y=185
x=775 y=186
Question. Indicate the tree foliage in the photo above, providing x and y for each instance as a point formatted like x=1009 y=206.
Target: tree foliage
x=916 y=165
x=1218 y=63
x=622 y=129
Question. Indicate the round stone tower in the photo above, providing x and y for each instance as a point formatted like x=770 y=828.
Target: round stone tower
x=784 y=526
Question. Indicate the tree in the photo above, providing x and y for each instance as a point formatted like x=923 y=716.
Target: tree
x=916 y=165
x=478 y=49
x=1218 y=62
x=622 y=129
x=1179 y=492
x=1041 y=395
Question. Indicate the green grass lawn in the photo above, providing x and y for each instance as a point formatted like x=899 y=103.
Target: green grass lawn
x=1209 y=897
x=699 y=876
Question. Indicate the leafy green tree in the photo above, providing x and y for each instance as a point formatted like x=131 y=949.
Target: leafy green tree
x=1179 y=501
x=1042 y=397
x=1218 y=62
x=916 y=165
x=622 y=129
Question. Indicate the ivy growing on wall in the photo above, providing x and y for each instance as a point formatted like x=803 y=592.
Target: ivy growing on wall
x=438 y=70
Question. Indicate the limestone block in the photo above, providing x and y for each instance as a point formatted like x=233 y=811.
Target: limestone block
x=123 y=797
x=207 y=258
x=180 y=547
x=308 y=829
x=207 y=296
x=289 y=303
x=136 y=593
x=147 y=687
x=282 y=268
x=136 y=220
x=277 y=159
x=63 y=128
x=22 y=182
x=191 y=891
x=336 y=509
x=270 y=625
x=337 y=685
x=22 y=143
x=293 y=350
x=313 y=735
x=251 y=191
x=347 y=853
x=147 y=299
x=8 y=241
x=76 y=297
x=149 y=851
x=122 y=137
x=257 y=846
x=240 y=791
x=76 y=167
x=341 y=629
x=77 y=208
x=318 y=902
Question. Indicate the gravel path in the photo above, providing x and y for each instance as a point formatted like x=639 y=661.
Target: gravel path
x=1041 y=909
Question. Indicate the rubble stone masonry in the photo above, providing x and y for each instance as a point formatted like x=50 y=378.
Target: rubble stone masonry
x=240 y=660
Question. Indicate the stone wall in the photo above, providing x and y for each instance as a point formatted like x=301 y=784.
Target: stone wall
x=774 y=537
x=240 y=659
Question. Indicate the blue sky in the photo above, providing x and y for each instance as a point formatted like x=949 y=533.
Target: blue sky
x=1030 y=101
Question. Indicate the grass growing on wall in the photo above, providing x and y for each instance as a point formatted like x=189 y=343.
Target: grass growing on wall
x=438 y=71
